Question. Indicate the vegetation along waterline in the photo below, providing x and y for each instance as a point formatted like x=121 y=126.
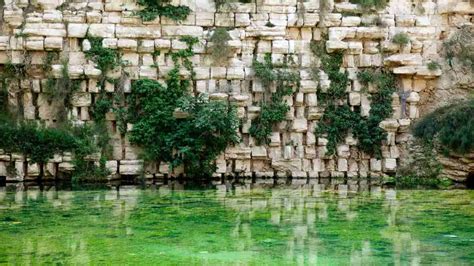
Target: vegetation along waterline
x=246 y=132
x=346 y=91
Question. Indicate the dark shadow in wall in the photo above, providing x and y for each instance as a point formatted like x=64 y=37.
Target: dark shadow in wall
x=470 y=181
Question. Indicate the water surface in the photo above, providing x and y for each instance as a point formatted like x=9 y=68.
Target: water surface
x=245 y=226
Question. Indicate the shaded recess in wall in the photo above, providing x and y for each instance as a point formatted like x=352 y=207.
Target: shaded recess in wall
x=470 y=181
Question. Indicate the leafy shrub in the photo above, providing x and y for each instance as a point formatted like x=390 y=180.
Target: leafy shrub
x=452 y=126
x=273 y=110
x=194 y=140
x=369 y=4
x=331 y=65
x=154 y=8
x=401 y=39
x=433 y=66
x=220 y=49
x=461 y=47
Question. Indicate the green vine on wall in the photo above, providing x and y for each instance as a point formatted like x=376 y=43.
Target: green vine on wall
x=339 y=119
x=220 y=49
x=59 y=90
x=193 y=139
x=274 y=108
x=154 y=8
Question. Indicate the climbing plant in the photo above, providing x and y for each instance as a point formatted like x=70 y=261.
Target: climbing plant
x=220 y=49
x=331 y=65
x=369 y=4
x=154 y=8
x=59 y=90
x=193 y=139
x=339 y=119
x=274 y=107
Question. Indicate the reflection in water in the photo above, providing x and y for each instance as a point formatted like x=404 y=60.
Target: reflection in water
x=246 y=225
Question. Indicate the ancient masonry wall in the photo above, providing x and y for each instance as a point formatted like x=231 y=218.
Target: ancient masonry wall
x=279 y=27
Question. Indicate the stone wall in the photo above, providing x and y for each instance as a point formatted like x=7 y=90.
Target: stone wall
x=280 y=27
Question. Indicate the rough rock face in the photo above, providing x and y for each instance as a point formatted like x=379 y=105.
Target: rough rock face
x=279 y=27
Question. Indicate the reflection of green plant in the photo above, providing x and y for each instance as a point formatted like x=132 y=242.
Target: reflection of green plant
x=461 y=47
x=452 y=126
x=220 y=49
x=275 y=108
x=154 y=8
x=401 y=39
x=39 y=143
x=194 y=140
x=416 y=182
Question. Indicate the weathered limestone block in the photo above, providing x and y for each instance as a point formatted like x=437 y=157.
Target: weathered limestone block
x=265 y=32
x=169 y=31
x=148 y=32
x=127 y=44
x=102 y=30
x=239 y=153
x=375 y=165
x=81 y=99
x=35 y=43
x=300 y=125
x=53 y=43
x=130 y=167
x=14 y=18
x=390 y=165
x=332 y=46
x=404 y=59
x=350 y=21
x=77 y=30
x=332 y=20
x=287 y=165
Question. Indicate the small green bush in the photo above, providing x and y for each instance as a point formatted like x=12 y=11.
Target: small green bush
x=220 y=49
x=452 y=126
x=369 y=4
x=193 y=141
x=154 y=8
x=433 y=66
x=401 y=39
x=461 y=47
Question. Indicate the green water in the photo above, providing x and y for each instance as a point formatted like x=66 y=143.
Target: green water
x=246 y=226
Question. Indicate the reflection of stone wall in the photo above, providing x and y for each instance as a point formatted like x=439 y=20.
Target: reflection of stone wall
x=29 y=31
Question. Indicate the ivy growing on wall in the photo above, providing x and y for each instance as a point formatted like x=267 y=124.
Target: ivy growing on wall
x=339 y=118
x=59 y=90
x=154 y=8
x=220 y=49
x=175 y=127
x=274 y=107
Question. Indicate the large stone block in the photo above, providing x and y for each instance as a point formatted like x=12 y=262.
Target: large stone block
x=148 y=32
x=169 y=31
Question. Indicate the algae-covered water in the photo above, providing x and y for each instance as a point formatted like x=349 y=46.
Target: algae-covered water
x=244 y=226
